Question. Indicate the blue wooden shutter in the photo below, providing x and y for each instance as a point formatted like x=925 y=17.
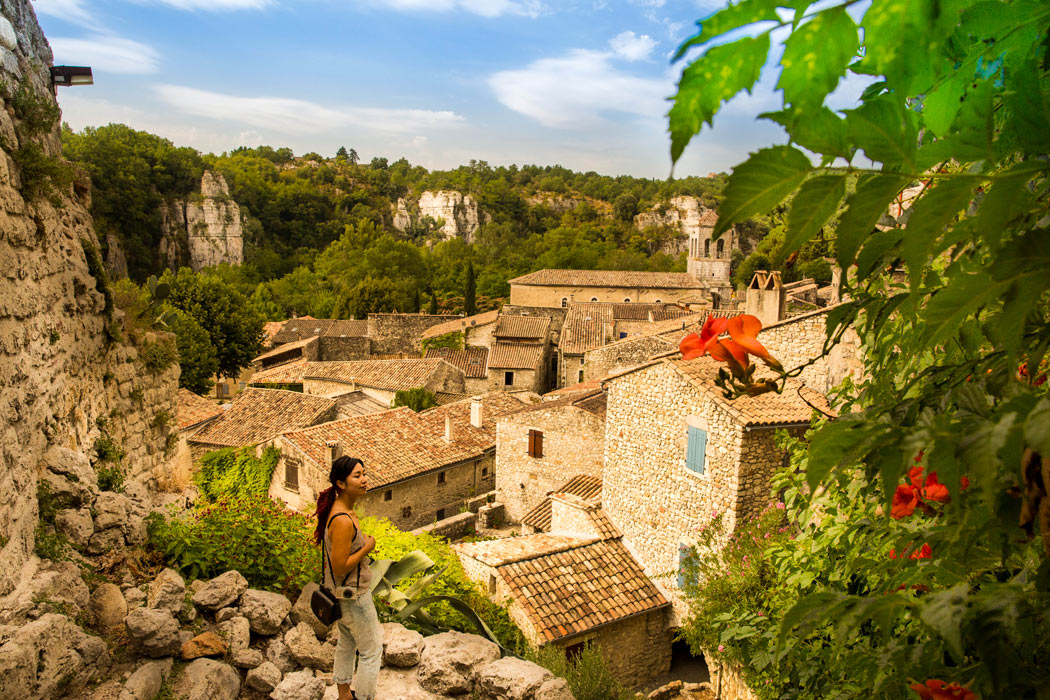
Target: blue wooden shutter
x=696 y=449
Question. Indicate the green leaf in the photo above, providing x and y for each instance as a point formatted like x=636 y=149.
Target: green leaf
x=760 y=183
x=873 y=195
x=711 y=79
x=951 y=305
x=820 y=130
x=806 y=613
x=816 y=55
x=875 y=251
x=1008 y=200
x=943 y=613
x=883 y=128
x=816 y=201
x=833 y=445
x=940 y=106
x=726 y=20
x=931 y=213
x=899 y=40
x=974 y=127
x=1028 y=100
x=1037 y=427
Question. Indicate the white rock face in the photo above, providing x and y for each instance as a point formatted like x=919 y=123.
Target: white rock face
x=459 y=213
x=686 y=214
x=211 y=225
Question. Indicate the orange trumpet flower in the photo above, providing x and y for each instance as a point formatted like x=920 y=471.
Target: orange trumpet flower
x=743 y=329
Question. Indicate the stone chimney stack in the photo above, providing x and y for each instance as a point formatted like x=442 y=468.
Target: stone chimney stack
x=332 y=451
x=448 y=429
x=475 y=411
x=765 y=297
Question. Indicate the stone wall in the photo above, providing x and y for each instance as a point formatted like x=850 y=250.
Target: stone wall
x=573 y=444
x=336 y=348
x=727 y=681
x=53 y=349
x=801 y=338
x=647 y=490
x=396 y=333
x=621 y=355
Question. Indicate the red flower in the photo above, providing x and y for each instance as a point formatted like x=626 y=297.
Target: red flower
x=914 y=495
x=935 y=689
x=935 y=490
x=694 y=345
x=905 y=500
x=964 y=483
x=743 y=329
x=924 y=552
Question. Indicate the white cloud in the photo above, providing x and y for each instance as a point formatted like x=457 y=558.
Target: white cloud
x=576 y=89
x=106 y=53
x=484 y=8
x=73 y=11
x=216 y=5
x=631 y=46
x=287 y=115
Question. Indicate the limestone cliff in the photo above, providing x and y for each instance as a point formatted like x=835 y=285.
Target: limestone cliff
x=204 y=229
x=66 y=378
x=684 y=213
x=457 y=213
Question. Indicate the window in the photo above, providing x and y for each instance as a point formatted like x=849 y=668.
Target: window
x=696 y=449
x=580 y=378
x=657 y=302
x=627 y=300
x=406 y=512
x=441 y=477
x=594 y=298
x=573 y=651
x=564 y=302
x=508 y=379
x=441 y=514
x=581 y=361
x=291 y=475
x=536 y=443
x=388 y=495
x=684 y=551
x=484 y=471
x=623 y=334
x=707 y=248
x=720 y=248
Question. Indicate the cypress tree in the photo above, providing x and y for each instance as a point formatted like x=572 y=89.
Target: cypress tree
x=470 y=305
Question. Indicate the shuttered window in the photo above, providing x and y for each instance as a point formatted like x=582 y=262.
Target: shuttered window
x=535 y=443
x=291 y=475
x=696 y=449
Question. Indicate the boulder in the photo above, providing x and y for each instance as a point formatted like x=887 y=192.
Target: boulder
x=204 y=644
x=554 y=689
x=306 y=650
x=226 y=614
x=263 y=677
x=299 y=685
x=277 y=653
x=450 y=661
x=265 y=611
x=403 y=684
x=108 y=606
x=111 y=510
x=402 y=647
x=207 y=679
x=146 y=681
x=135 y=531
x=140 y=501
x=666 y=692
x=237 y=631
x=301 y=611
x=510 y=679
x=221 y=591
x=247 y=658
x=135 y=597
x=166 y=591
x=70 y=476
x=59 y=582
x=153 y=633
x=76 y=524
x=106 y=541
x=49 y=657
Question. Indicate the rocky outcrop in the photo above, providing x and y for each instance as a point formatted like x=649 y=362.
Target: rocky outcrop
x=683 y=213
x=204 y=229
x=456 y=213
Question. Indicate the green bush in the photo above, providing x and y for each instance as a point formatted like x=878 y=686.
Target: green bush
x=587 y=673
x=230 y=473
x=418 y=399
x=110 y=477
x=159 y=355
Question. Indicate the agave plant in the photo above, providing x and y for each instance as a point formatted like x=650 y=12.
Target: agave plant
x=409 y=607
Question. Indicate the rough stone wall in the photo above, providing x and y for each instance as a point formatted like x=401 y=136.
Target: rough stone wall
x=551 y=296
x=334 y=348
x=619 y=356
x=801 y=338
x=573 y=444
x=396 y=333
x=524 y=380
x=729 y=682
x=54 y=357
x=646 y=488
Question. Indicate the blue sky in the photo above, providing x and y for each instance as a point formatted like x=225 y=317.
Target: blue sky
x=580 y=83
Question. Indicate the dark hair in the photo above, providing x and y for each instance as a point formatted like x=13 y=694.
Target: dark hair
x=341 y=470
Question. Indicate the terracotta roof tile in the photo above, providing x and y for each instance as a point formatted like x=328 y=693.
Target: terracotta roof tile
x=592 y=402
x=260 y=414
x=641 y=312
x=530 y=327
x=290 y=373
x=519 y=549
x=308 y=327
x=194 y=409
x=461 y=323
x=391 y=375
x=609 y=278
x=516 y=356
x=294 y=349
x=587 y=487
x=790 y=407
x=347 y=328
x=473 y=361
x=270 y=329
x=586 y=326
x=583 y=387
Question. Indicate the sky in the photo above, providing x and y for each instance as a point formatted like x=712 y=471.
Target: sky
x=578 y=83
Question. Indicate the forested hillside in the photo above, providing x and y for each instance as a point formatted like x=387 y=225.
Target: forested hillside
x=319 y=236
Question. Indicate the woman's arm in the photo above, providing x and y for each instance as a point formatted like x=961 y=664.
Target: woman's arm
x=343 y=562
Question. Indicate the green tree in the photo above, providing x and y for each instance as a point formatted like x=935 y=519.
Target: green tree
x=939 y=441
x=198 y=358
x=418 y=399
x=370 y=295
x=233 y=324
x=433 y=309
x=353 y=157
x=341 y=153
x=470 y=305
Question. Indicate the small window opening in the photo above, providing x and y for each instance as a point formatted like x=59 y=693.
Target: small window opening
x=388 y=495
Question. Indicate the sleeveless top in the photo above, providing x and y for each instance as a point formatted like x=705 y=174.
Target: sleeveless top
x=358 y=579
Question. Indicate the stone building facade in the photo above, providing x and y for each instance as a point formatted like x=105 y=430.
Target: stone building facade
x=799 y=339
x=676 y=453
x=400 y=333
x=624 y=354
x=559 y=288
x=381 y=379
x=541 y=447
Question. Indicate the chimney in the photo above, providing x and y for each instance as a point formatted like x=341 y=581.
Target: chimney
x=650 y=315
x=332 y=451
x=448 y=429
x=475 y=411
x=765 y=297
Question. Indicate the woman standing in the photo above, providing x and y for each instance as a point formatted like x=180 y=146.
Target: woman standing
x=346 y=573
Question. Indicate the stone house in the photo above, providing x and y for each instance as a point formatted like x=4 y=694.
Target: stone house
x=559 y=288
x=472 y=361
x=421 y=467
x=476 y=330
x=539 y=447
x=316 y=349
x=381 y=379
x=575 y=585
x=585 y=486
x=677 y=451
x=306 y=327
x=194 y=412
x=799 y=339
x=518 y=367
x=258 y=415
x=391 y=334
